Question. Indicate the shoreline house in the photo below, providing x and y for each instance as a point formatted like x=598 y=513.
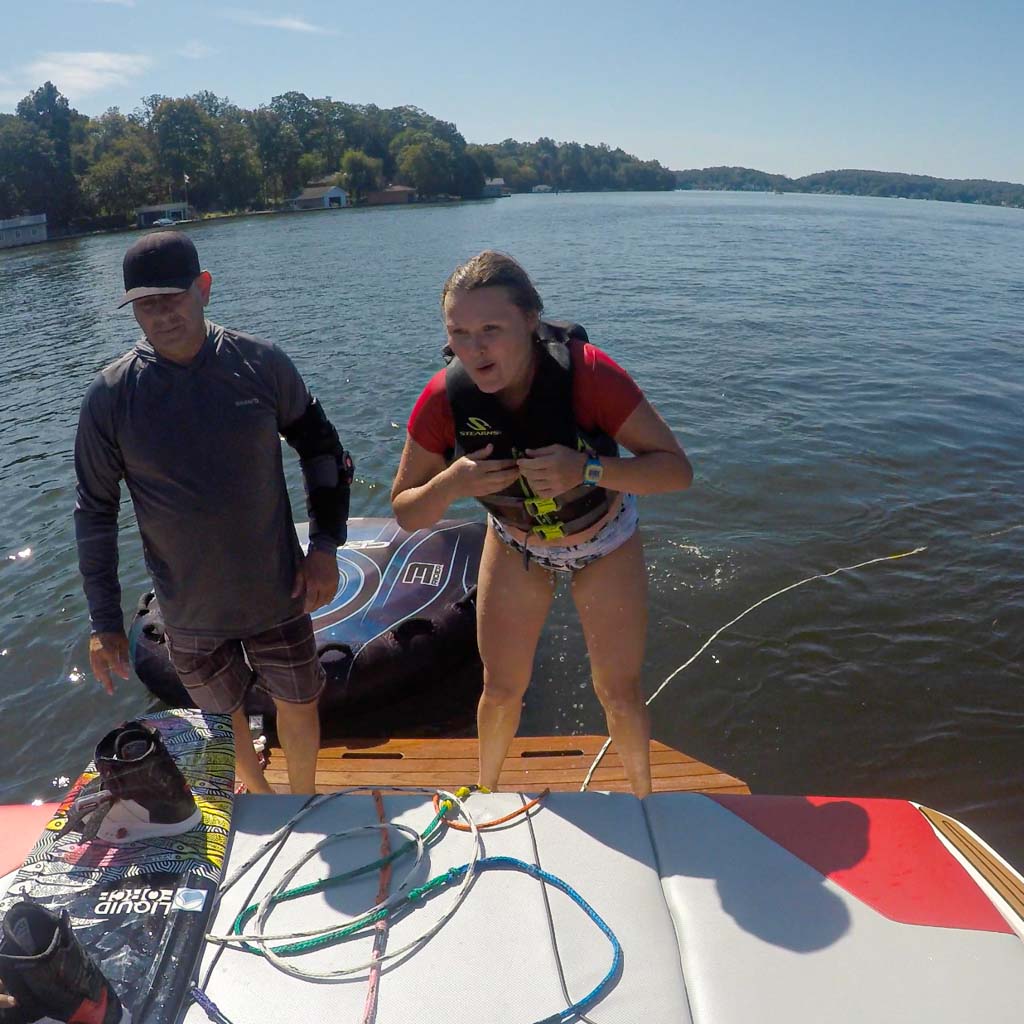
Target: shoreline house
x=495 y=188
x=320 y=197
x=163 y=214
x=27 y=230
x=392 y=195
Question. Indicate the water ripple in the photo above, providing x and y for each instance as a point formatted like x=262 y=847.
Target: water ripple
x=847 y=375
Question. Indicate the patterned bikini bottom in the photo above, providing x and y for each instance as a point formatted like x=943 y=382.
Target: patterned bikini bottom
x=573 y=557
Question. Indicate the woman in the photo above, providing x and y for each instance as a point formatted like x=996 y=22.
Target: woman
x=527 y=418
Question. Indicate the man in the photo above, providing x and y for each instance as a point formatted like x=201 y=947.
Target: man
x=190 y=419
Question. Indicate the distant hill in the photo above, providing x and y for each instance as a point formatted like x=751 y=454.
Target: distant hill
x=857 y=183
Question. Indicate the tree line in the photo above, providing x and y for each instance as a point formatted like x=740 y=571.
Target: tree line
x=857 y=183
x=93 y=172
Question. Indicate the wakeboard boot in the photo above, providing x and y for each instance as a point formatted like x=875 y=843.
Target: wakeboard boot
x=143 y=789
x=50 y=975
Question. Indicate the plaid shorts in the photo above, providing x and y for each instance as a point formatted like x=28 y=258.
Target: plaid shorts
x=218 y=672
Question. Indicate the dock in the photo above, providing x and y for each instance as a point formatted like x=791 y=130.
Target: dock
x=559 y=763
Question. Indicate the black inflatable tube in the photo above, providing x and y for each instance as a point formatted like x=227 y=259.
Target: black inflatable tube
x=403 y=622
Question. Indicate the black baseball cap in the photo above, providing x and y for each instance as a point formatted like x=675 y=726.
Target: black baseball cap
x=160 y=263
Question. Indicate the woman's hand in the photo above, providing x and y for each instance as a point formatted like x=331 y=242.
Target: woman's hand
x=425 y=486
x=553 y=469
x=475 y=475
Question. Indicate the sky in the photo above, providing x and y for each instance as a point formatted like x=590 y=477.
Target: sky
x=786 y=87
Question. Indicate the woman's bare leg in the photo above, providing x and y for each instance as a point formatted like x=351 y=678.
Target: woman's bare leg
x=512 y=604
x=611 y=598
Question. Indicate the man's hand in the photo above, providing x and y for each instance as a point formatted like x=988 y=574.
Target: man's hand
x=475 y=475
x=553 y=470
x=6 y=1002
x=317 y=579
x=108 y=652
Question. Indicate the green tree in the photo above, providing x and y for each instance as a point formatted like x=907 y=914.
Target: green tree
x=361 y=173
x=185 y=137
x=405 y=138
x=571 y=170
x=28 y=166
x=238 y=171
x=301 y=113
x=428 y=165
x=468 y=179
x=150 y=105
x=329 y=137
x=311 y=167
x=48 y=111
x=279 y=149
x=218 y=108
x=105 y=131
x=122 y=179
x=545 y=158
x=484 y=159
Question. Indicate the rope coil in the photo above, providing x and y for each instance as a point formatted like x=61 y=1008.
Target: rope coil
x=388 y=907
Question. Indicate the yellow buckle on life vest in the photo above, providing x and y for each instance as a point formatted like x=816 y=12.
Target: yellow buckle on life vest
x=549 y=532
x=541 y=506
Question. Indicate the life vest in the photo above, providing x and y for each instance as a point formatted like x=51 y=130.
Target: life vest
x=545 y=418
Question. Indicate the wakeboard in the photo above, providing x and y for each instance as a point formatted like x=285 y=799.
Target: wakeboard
x=141 y=909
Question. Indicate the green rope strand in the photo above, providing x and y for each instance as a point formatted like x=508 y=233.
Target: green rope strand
x=333 y=938
x=243 y=918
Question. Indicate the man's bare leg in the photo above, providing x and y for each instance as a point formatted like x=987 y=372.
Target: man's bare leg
x=298 y=728
x=247 y=762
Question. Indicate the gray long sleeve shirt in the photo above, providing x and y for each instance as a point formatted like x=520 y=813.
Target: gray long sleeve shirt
x=199 y=450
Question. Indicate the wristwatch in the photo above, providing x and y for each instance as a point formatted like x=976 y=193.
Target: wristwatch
x=592 y=471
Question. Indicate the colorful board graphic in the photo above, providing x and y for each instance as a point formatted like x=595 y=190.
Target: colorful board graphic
x=141 y=910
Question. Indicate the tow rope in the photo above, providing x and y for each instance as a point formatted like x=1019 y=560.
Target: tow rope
x=389 y=907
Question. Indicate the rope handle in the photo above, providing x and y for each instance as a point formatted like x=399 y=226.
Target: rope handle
x=444 y=806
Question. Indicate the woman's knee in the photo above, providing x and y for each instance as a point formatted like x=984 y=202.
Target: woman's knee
x=504 y=687
x=622 y=696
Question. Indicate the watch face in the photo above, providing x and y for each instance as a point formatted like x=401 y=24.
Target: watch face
x=592 y=472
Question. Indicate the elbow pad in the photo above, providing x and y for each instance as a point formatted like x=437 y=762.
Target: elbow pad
x=312 y=434
x=327 y=470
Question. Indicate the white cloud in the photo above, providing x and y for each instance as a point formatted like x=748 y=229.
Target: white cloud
x=285 y=24
x=9 y=96
x=76 y=74
x=194 y=49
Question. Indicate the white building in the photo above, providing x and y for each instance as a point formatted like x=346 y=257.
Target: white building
x=320 y=197
x=22 y=230
x=495 y=188
x=163 y=214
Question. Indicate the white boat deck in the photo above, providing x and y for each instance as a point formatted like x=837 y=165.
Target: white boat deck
x=729 y=909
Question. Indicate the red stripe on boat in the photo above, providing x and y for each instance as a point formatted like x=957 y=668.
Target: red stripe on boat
x=882 y=852
x=21 y=825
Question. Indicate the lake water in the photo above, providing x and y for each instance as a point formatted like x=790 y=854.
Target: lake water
x=846 y=375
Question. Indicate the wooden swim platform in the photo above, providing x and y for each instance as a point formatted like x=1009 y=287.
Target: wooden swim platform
x=534 y=763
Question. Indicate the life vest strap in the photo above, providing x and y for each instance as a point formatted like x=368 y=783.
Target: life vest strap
x=577 y=508
x=577 y=525
x=541 y=506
